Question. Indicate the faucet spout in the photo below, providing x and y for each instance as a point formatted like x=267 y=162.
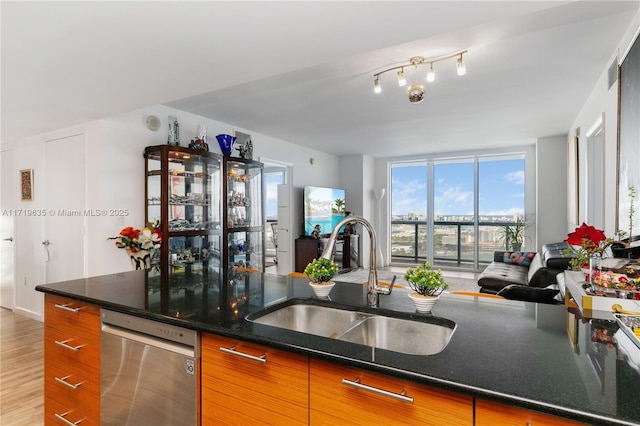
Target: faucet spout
x=374 y=290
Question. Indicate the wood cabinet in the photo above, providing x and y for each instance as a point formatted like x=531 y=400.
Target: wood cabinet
x=346 y=252
x=492 y=413
x=307 y=249
x=72 y=361
x=245 y=383
x=344 y=395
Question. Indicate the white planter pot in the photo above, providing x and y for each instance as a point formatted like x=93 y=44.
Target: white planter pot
x=423 y=303
x=140 y=259
x=322 y=290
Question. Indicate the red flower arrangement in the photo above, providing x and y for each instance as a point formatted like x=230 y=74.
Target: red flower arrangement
x=134 y=240
x=588 y=241
x=586 y=236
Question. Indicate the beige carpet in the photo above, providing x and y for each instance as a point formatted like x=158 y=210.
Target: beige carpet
x=456 y=282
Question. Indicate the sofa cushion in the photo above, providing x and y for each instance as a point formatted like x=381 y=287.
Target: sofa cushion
x=530 y=294
x=499 y=274
x=518 y=257
x=554 y=257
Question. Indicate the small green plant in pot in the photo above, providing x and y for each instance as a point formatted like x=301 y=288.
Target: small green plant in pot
x=427 y=284
x=320 y=272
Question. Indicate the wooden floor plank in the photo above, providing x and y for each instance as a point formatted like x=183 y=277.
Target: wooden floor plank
x=21 y=370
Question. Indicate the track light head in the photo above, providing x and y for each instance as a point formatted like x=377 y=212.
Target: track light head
x=376 y=85
x=415 y=92
x=431 y=75
x=402 y=80
x=461 y=69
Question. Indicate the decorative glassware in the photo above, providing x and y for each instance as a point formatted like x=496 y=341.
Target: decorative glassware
x=226 y=143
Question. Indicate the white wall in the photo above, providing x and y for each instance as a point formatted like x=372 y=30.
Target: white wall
x=358 y=174
x=551 y=194
x=604 y=100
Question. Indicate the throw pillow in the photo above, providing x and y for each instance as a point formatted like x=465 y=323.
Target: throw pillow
x=519 y=258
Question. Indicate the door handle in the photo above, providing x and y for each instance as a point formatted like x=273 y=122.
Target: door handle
x=45 y=243
x=8 y=239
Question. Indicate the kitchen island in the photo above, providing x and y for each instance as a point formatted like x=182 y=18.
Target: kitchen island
x=539 y=358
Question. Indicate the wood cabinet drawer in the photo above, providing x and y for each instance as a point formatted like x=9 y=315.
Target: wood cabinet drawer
x=493 y=414
x=67 y=314
x=65 y=346
x=83 y=377
x=334 y=402
x=69 y=412
x=239 y=390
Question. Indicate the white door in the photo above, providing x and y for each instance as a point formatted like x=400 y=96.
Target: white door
x=63 y=233
x=7 y=192
x=284 y=228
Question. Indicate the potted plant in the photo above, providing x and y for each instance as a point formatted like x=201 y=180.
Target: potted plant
x=320 y=272
x=513 y=234
x=427 y=284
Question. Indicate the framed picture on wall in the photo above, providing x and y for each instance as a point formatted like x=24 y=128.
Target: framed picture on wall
x=26 y=184
x=628 y=134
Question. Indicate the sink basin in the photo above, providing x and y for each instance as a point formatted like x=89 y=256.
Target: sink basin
x=312 y=319
x=400 y=335
x=394 y=331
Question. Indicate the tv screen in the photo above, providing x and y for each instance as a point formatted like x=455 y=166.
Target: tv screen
x=324 y=207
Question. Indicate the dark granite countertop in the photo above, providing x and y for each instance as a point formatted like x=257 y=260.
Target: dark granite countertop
x=512 y=352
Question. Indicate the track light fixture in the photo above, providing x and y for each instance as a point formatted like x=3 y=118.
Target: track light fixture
x=415 y=92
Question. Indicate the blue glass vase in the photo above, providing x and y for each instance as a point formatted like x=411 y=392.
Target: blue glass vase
x=226 y=143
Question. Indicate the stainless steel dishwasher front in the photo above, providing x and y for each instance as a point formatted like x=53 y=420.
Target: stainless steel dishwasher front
x=148 y=372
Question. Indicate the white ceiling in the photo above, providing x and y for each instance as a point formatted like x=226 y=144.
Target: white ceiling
x=302 y=71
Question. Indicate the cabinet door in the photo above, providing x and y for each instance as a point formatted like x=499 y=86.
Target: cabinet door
x=72 y=361
x=244 y=383
x=378 y=399
x=492 y=414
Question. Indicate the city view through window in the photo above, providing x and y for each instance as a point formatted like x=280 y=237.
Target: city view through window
x=435 y=218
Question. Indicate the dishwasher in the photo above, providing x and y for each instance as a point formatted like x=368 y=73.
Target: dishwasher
x=148 y=372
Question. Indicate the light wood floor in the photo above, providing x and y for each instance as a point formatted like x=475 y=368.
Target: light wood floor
x=21 y=370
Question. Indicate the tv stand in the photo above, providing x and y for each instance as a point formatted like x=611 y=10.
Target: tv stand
x=308 y=249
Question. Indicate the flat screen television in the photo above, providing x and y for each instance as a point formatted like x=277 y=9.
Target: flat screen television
x=324 y=207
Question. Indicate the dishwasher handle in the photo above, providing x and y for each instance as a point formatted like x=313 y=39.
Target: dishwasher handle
x=178 y=348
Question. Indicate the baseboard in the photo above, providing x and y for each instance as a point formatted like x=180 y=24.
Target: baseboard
x=30 y=314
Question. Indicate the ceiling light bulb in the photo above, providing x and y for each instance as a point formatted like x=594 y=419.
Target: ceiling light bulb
x=376 y=85
x=431 y=75
x=402 y=80
x=462 y=70
x=415 y=92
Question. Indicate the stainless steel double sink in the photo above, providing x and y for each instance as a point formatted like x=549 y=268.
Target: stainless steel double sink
x=383 y=329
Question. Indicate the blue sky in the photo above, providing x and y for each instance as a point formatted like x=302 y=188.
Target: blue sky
x=501 y=188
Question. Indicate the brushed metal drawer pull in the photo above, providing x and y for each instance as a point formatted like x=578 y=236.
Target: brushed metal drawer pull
x=62 y=417
x=63 y=380
x=233 y=351
x=64 y=345
x=67 y=308
x=400 y=396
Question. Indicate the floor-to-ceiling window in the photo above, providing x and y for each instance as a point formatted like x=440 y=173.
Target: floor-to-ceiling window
x=456 y=212
x=408 y=211
x=501 y=205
